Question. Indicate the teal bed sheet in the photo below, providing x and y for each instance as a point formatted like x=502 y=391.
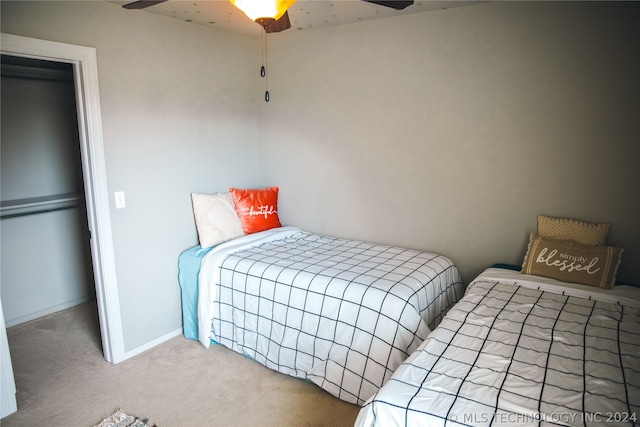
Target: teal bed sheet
x=188 y=270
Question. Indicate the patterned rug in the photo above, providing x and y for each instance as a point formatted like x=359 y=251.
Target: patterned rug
x=120 y=419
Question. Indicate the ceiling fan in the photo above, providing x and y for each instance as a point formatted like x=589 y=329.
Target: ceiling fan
x=282 y=23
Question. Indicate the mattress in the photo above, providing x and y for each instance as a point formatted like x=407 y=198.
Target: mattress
x=343 y=314
x=521 y=350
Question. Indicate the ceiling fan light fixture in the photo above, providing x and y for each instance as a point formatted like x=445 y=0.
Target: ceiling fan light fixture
x=265 y=22
x=264 y=12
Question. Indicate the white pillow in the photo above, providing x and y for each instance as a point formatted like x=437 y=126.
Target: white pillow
x=216 y=218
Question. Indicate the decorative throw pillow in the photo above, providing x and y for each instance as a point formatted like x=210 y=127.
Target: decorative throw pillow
x=570 y=229
x=216 y=218
x=571 y=261
x=257 y=208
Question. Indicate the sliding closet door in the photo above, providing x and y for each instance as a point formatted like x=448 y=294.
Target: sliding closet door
x=45 y=253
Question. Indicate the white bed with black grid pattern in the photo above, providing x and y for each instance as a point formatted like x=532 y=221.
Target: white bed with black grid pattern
x=343 y=314
x=521 y=350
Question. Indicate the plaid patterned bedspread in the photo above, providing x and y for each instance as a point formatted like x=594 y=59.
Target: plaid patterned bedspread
x=516 y=353
x=343 y=314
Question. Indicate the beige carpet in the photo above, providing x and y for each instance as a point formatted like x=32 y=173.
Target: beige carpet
x=63 y=380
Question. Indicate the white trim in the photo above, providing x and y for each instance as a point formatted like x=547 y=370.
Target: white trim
x=160 y=340
x=85 y=67
x=49 y=310
x=8 y=403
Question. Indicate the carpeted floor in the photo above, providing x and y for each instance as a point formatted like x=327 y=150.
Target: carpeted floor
x=63 y=380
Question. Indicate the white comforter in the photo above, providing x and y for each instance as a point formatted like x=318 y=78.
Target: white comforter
x=341 y=313
x=521 y=350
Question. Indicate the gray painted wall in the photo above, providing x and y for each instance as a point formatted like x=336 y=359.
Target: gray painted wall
x=447 y=131
x=450 y=131
x=178 y=106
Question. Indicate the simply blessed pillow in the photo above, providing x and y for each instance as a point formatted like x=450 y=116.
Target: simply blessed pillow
x=571 y=261
x=257 y=208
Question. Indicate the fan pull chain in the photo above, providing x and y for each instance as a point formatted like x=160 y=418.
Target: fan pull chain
x=263 y=68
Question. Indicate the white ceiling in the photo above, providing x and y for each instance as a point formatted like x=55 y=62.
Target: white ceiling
x=304 y=14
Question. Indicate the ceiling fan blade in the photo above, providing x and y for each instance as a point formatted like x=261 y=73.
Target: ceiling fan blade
x=141 y=4
x=393 y=4
x=280 y=25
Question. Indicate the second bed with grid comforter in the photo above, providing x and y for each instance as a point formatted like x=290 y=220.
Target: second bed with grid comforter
x=343 y=314
x=521 y=350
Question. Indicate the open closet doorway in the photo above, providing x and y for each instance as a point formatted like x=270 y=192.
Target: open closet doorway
x=42 y=207
x=83 y=63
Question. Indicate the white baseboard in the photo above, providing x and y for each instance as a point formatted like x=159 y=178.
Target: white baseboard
x=49 y=310
x=151 y=344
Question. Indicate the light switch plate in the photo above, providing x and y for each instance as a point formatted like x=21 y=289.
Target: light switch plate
x=119 y=196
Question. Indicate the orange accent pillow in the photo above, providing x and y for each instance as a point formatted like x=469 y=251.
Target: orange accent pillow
x=257 y=209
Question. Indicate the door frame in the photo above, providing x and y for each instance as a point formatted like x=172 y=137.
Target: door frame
x=85 y=71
